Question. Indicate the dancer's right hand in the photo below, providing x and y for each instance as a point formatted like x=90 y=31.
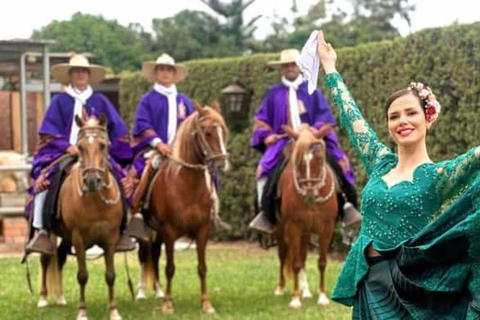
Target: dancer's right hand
x=327 y=55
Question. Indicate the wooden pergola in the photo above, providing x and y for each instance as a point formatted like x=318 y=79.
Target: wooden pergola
x=17 y=51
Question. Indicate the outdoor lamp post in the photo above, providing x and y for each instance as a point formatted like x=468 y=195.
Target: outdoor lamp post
x=235 y=106
x=234 y=95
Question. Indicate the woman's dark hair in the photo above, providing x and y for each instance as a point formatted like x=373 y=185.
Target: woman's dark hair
x=400 y=93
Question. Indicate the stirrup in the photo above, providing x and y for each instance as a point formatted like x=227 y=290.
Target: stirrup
x=351 y=215
x=125 y=244
x=261 y=223
x=41 y=243
x=218 y=225
x=137 y=228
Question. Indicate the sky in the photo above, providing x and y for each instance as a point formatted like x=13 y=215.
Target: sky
x=21 y=17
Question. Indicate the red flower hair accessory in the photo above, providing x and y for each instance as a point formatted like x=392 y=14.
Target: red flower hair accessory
x=430 y=103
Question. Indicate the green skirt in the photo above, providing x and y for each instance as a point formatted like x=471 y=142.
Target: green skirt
x=386 y=293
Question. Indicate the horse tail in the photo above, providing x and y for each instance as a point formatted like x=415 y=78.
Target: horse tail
x=53 y=278
x=149 y=267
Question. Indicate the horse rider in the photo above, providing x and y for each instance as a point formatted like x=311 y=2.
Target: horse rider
x=58 y=137
x=159 y=114
x=290 y=103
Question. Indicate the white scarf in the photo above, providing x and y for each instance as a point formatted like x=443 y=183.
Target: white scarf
x=309 y=62
x=293 y=100
x=171 y=94
x=81 y=98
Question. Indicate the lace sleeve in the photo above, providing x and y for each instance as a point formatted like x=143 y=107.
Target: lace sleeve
x=363 y=138
x=456 y=174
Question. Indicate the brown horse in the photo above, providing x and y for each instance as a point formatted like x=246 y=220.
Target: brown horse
x=91 y=211
x=309 y=205
x=184 y=198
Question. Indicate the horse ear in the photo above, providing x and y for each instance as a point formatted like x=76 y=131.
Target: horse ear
x=102 y=119
x=319 y=134
x=216 y=105
x=198 y=106
x=79 y=121
x=290 y=132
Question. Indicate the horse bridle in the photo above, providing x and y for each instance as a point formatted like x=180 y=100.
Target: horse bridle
x=96 y=132
x=204 y=150
x=317 y=183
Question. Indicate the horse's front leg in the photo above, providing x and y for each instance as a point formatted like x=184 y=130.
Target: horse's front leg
x=325 y=239
x=282 y=255
x=169 y=271
x=201 y=242
x=294 y=259
x=82 y=274
x=110 y=279
x=304 y=288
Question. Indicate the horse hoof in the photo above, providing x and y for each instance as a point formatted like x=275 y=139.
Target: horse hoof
x=114 y=315
x=208 y=309
x=279 y=291
x=323 y=300
x=61 y=301
x=167 y=308
x=141 y=295
x=307 y=294
x=82 y=315
x=295 y=303
x=42 y=303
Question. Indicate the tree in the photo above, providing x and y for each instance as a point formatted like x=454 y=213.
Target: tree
x=242 y=33
x=369 y=20
x=113 y=45
x=192 y=34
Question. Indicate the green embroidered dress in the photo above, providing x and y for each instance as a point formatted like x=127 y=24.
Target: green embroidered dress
x=428 y=257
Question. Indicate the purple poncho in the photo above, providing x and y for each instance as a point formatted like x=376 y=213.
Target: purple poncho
x=274 y=112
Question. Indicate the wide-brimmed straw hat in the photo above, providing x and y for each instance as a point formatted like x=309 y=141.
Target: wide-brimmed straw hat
x=60 y=72
x=286 y=56
x=148 y=68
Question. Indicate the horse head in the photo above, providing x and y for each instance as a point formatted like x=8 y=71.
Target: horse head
x=211 y=133
x=308 y=158
x=93 y=143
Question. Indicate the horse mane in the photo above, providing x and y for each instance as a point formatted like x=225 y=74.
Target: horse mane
x=183 y=146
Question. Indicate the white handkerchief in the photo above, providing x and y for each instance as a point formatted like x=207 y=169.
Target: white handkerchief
x=309 y=62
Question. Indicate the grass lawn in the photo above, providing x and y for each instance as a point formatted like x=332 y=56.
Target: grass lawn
x=241 y=281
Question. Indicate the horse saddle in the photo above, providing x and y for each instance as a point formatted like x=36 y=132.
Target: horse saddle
x=50 y=206
x=50 y=209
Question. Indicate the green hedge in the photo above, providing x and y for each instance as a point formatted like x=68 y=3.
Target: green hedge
x=448 y=59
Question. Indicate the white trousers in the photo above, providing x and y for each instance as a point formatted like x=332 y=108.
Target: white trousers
x=38 y=203
x=260 y=186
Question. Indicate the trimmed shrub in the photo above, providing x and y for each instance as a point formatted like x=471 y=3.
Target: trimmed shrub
x=448 y=59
